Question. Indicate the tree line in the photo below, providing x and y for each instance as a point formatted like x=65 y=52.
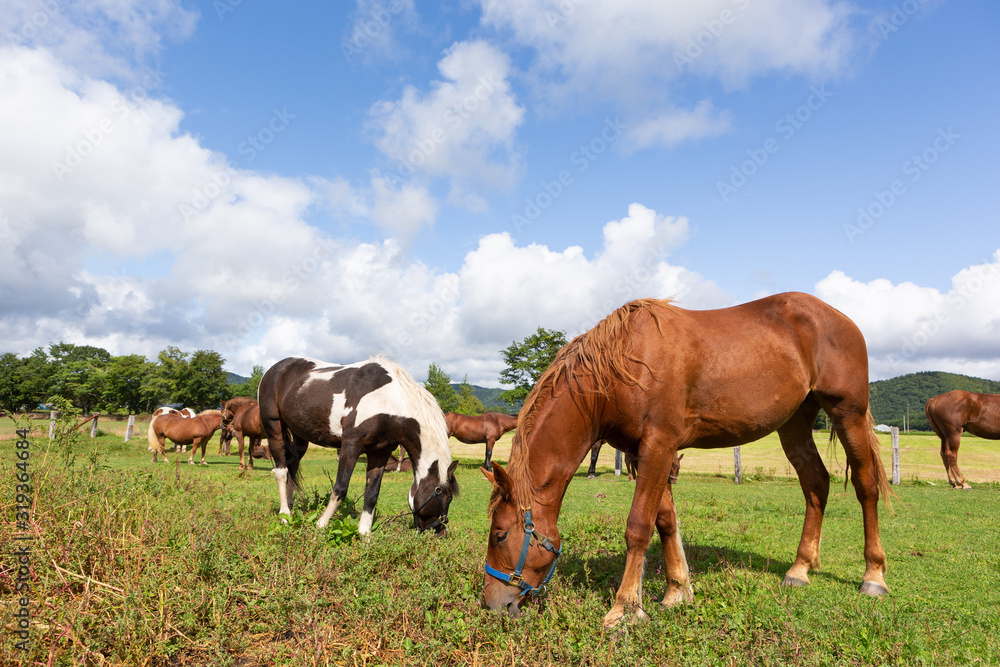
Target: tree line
x=92 y=379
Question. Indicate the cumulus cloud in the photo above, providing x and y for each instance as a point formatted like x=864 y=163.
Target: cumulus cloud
x=463 y=129
x=912 y=328
x=374 y=31
x=631 y=53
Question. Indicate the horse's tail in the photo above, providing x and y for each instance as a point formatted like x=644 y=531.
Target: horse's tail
x=154 y=443
x=292 y=457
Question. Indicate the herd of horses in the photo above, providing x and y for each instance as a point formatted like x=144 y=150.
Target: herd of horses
x=650 y=379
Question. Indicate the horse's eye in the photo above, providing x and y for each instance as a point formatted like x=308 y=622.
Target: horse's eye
x=501 y=537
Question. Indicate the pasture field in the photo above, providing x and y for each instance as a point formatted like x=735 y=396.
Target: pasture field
x=169 y=564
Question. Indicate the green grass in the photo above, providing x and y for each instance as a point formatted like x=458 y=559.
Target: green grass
x=142 y=564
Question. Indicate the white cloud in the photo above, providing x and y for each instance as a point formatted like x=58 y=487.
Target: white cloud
x=463 y=129
x=675 y=126
x=374 y=33
x=911 y=328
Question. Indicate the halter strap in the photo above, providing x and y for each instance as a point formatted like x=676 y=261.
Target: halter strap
x=515 y=579
x=442 y=519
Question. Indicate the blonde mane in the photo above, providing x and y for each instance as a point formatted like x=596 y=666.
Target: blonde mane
x=591 y=364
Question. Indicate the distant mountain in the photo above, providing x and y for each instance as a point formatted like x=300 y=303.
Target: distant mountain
x=233 y=378
x=889 y=397
x=490 y=398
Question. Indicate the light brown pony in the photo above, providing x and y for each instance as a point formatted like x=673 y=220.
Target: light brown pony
x=957 y=411
x=195 y=431
x=651 y=379
x=487 y=427
x=241 y=417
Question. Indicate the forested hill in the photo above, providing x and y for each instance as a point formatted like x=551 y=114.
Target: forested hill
x=490 y=398
x=889 y=397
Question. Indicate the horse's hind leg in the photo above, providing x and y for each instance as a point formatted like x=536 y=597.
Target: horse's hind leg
x=678 y=576
x=861 y=445
x=490 y=441
x=595 y=451
x=949 y=454
x=800 y=449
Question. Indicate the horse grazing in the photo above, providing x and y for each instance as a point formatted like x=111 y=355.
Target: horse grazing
x=957 y=411
x=195 y=431
x=486 y=427
x=241 y=417
x=369 y=407
x=651 y=379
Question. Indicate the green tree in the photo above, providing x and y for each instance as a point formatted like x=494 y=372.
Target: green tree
x=78 y=373
x=249 y=388
x=468 y=403
x=24 y=383
x=439 y=384
x=126 y=383
x=527 y=360
x=202 y=383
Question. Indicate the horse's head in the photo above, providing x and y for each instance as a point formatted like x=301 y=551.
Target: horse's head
x=430 y=498
x=519 y=559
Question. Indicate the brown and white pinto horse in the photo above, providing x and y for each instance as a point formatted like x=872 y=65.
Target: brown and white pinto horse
x=486 y=427
x=369 y=407
x=957 y=411
x=195 y=431
x=651 y=379
x=241 y=418
x=167 y=410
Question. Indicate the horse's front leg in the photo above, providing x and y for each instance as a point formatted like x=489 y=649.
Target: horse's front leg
x=350 y=450
x=675 y=561
x=649 y=489
x=239 y=440
x=373 y=483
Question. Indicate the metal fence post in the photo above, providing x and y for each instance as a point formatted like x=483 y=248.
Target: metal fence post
x=737 y=464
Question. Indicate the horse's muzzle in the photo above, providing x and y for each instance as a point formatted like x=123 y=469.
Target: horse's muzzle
x=501 y=598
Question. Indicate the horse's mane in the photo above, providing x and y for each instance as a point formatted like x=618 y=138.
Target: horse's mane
x=209 y=412
x=239 y=402
x=592 y=363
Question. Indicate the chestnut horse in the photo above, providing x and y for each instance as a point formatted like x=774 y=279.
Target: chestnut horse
x=195 y=431
x=652 y=378
x=369 y=407
x=167 y=410
x=241 y=417
x=955 y=411
x=486 y=427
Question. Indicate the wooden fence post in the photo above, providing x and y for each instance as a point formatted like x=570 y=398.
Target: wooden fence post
x=128 y=429
x=618 y=463
x=895 y=454
x=52 y=424
x=93 y=428
x=737 y=464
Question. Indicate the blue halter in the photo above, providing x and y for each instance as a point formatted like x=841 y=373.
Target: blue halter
x=515 y=579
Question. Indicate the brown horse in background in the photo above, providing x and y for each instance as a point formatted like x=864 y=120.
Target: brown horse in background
x=957 y=411
x=241 y=417
x=487 y=427
x=195 y=431
x=167 y=410
x=651 y=379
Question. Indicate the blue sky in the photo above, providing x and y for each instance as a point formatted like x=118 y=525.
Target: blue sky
x=433 y=183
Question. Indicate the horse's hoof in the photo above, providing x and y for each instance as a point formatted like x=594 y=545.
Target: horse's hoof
x=794 y=582
x=677 y=595
x=873 y=588
x=591 y=476
x=966 y=487
x=616 y=619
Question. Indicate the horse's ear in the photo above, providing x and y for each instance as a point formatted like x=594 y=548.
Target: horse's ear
x=452 y=468
x=501 y=480
x=488 y=475
x=680 y=457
